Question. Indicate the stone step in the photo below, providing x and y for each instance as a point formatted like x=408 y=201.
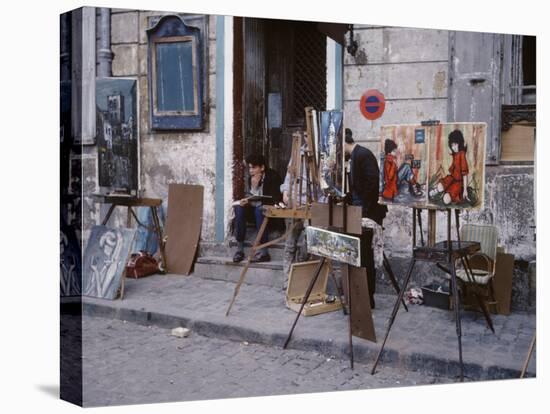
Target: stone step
x=222 y=268
x=207 y=249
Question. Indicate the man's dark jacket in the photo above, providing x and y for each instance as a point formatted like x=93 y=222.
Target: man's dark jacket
x=271 y=186
x=364 y=180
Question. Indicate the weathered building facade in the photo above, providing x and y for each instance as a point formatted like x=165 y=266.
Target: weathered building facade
x=257 y=75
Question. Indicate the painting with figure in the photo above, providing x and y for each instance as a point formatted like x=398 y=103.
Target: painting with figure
x=105 y=259
x=116 y=115
x=403 y=165
x=335 y=246
x=70 y=261
x=331 y=155
x=457 y=165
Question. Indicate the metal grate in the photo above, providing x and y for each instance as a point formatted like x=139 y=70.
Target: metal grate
x=310 y=70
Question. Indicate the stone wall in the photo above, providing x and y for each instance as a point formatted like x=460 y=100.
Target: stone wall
x=167 y=157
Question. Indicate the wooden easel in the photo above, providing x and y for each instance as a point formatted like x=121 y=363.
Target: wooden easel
x=348 y=277
x=296 y=210
x=447 y=252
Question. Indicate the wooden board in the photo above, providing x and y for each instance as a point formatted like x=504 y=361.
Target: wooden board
x=518 y=143
x=362 y=324
x=320 y=212
x=183 y=226
x=503 y=282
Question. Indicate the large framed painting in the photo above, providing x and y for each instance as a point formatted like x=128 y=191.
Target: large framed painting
x=456 y=167
x=117 y=132
x=331 y=152
x=404 y=165
x=105 y=259
x=335 y=246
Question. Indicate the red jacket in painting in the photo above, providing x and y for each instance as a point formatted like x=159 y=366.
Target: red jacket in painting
x=453 y=184
x=390 y=177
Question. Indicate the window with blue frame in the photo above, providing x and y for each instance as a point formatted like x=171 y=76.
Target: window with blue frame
x=175 y=75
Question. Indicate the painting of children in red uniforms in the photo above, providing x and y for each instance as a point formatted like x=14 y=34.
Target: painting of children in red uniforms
x=460 y=185
x=403 y=172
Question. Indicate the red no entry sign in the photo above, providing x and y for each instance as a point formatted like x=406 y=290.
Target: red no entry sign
x=372 y=104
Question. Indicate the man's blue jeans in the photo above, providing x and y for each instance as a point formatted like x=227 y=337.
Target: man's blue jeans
x=240 y=223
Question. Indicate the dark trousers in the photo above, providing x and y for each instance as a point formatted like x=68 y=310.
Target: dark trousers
x=367 y=258
x=241 y=214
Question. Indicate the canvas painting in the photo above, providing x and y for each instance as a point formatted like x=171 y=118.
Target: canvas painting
x=403 y=165
x=331 y=155
x=70 y=261
x=105 y=260
x=116 y=114
x=457 y=165
x=335 y=246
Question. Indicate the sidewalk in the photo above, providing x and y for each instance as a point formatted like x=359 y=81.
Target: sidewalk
x=423 y=339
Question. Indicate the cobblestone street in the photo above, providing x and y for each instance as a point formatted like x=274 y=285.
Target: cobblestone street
x=127 y=363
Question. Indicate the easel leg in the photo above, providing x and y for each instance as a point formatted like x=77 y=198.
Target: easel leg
x=393 y=280
x=457 y=317
x=306 y=298
x=338 y=287
x=394 y=312
x=245 y=268
x=158 y=231
x=108 y=216
x=350 y=319
x=531 y=348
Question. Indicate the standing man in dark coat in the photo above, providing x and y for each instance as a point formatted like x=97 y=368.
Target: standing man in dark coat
x=364 y=185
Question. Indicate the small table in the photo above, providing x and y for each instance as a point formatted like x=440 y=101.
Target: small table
x=127 y=201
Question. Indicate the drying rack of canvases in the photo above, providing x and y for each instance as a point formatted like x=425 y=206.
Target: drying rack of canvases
x=427 y=141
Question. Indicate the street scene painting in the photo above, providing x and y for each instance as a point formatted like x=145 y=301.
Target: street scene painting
x=105 y=260
x=403 y=165
x=335 y=246
x=331 y=161
x=116 y=122
x=457 y=165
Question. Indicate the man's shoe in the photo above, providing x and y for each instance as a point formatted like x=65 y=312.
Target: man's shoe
x=238 y=257
x=261 y=257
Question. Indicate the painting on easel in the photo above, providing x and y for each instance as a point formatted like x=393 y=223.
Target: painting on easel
x=331 y=155
x=403 y=165
x=457 y=165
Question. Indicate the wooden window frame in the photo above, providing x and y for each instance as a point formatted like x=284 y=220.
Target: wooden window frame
x=172 y=29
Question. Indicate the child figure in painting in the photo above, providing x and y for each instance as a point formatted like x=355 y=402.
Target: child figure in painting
x=455 y=184
x=394 y=177
x=390 y=170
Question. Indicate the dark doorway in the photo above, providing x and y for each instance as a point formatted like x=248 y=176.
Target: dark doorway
x=280 y=68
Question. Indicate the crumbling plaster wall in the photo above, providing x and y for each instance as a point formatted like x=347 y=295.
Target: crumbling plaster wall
x=410 y=67
x=168 y=157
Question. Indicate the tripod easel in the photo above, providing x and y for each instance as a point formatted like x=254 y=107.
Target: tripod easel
x=370 y=328
x=447 y=252
x=296 y=210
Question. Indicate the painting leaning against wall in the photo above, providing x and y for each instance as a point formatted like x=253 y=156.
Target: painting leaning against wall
x=105 y=260
x=456 y=168
x=116 y=114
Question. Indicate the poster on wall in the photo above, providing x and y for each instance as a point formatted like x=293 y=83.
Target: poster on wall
x=404 y=165
x=331 y=158
x=456 y=166
x=117 y=134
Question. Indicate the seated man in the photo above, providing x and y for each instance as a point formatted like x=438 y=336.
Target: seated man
x=262 y=181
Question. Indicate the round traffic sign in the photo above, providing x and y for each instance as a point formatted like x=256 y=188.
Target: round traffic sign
x=372 y=104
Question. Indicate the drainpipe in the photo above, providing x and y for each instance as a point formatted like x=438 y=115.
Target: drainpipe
x=65 y=47
x=104 y=54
